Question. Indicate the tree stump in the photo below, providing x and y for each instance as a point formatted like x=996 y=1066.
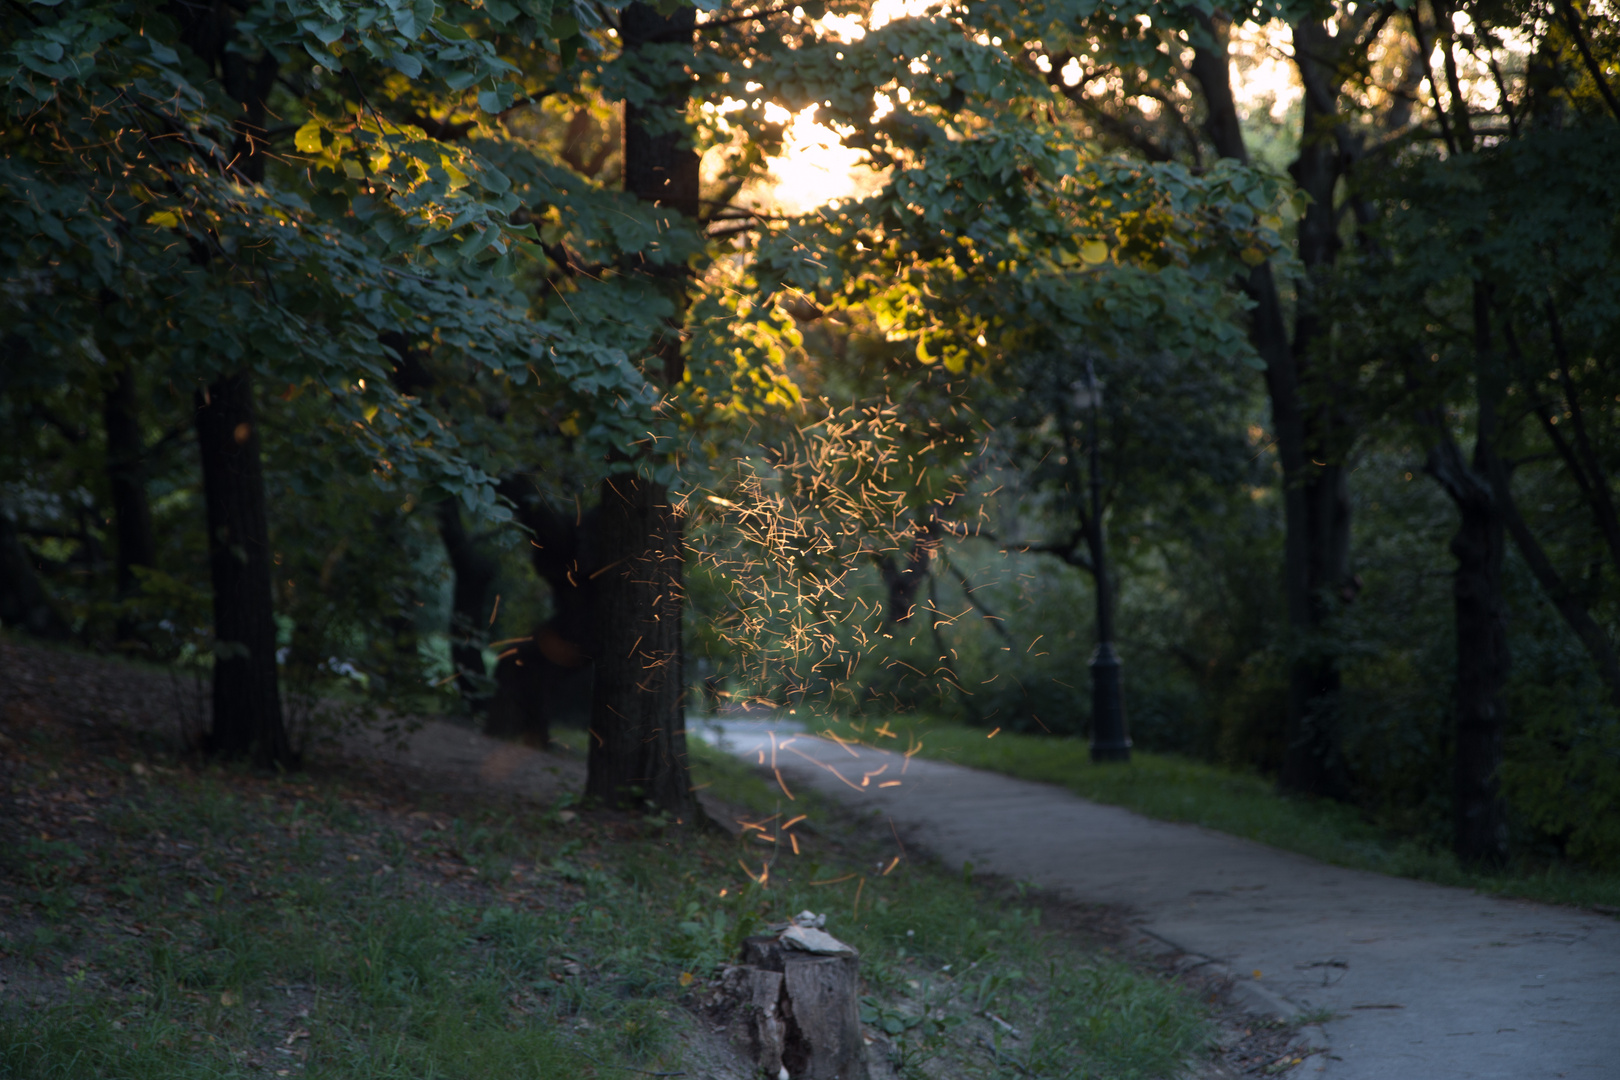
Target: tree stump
x=800 y=1014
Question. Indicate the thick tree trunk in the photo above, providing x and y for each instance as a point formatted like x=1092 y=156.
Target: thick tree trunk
x=638 y=721
x=247 y=701
x=474 y=573
x=126 y=480
x=638 y=727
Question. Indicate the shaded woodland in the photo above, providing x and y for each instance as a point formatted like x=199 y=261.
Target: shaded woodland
x=453 y=358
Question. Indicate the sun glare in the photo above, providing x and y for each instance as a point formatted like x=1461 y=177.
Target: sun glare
x=1264 y=76
x=814 y=168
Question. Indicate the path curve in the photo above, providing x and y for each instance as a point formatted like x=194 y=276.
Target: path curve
x=1426 y=982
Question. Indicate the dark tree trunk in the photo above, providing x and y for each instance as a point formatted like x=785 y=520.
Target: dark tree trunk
x=126 y=479
x=1482 y=656
x=209 y=28
x=562 y=550
x=638 y=722
x=1312 y=763
x=474 y=572
x=1310 y=425
x=1482 y=649
x=638 y=727
x=23 y=600
x=1482 y=664
x=247 y=701
x=902 y=580
x=547 y=678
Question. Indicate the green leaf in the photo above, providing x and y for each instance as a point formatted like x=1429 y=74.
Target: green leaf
x=424 y=13
x=308 y=138
x=323 y=58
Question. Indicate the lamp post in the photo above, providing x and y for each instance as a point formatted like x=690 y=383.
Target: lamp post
x=1108 y=739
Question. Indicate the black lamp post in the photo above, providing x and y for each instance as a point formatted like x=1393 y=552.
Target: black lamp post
x=1108 y=739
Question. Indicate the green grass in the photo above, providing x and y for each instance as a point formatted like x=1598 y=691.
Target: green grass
x=1176 y=789
x=166 y=920
x=939 y=950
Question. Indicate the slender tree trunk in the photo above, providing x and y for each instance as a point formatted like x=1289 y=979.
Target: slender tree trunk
x=474 y=573
x=1482 y=649
x=247 y=701
x=1310 y=434
x=1482 y=663
x=126 y=479
x=638 y=719
x=1482 y=656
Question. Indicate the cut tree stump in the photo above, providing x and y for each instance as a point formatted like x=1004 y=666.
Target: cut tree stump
x=800 y=1012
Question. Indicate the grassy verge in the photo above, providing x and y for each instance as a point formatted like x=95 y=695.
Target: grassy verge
x=940 y=953
x=1243 y=804
x=163 y=919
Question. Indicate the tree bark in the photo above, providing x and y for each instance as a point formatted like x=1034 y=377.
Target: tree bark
x=1481 y=619
x=247 y=702
x=474 y=573
x=126 y=480
x=638 y=721
x=1315 y=495
x=638 y=724
x=1482 y=655
x=1482 y=661
x=901 y=581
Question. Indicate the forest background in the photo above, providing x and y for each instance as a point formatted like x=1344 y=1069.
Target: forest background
x=387 y=352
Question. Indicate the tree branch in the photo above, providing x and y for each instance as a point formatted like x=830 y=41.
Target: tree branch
x=1578 y=32
x=1113 y=125
x=997 y=623
x=1598 y=480
x=1068 y=552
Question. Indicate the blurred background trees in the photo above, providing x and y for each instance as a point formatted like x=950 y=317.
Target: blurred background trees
x=513 y=298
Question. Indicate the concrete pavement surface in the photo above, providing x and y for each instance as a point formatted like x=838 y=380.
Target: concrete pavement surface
x=1424 y=982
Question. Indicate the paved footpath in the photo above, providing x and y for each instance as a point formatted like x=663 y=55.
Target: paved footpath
x=1425 y=982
